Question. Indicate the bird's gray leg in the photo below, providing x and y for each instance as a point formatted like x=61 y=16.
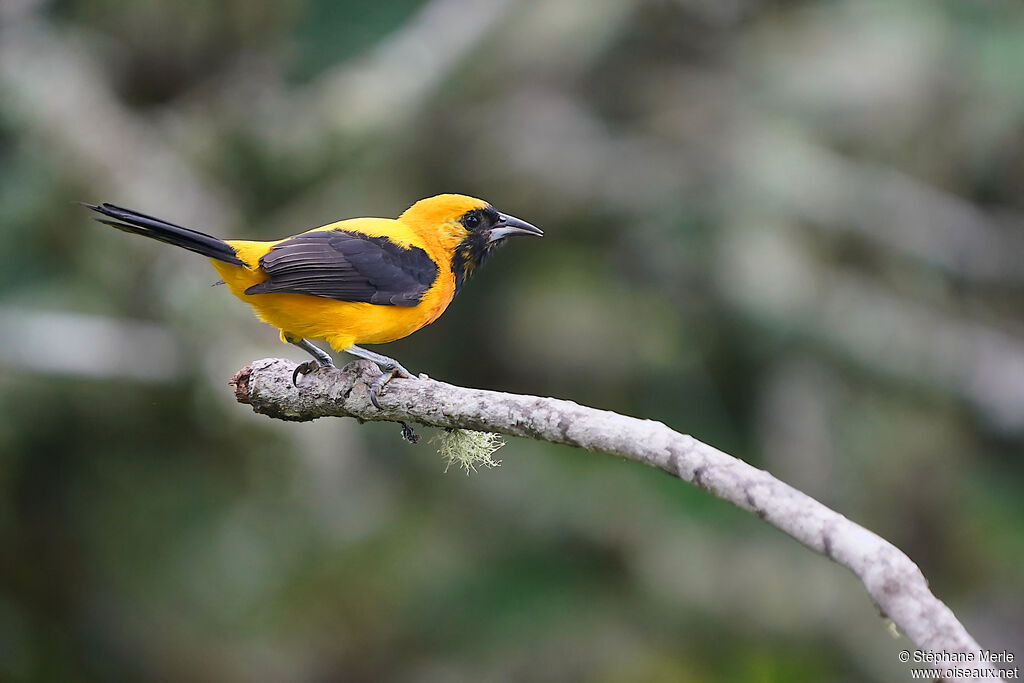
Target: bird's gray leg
x=323 y=359
x=391 y=367
x=386 y=364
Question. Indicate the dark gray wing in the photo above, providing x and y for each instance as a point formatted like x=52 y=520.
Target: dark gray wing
x=347 y=266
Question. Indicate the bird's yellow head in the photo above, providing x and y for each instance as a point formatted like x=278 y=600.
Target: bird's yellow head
x=467 y=228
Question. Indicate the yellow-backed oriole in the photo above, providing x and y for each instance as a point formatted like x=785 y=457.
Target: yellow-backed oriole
x=357 y=281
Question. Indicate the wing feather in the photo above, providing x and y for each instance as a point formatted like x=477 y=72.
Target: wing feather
x=348 y=266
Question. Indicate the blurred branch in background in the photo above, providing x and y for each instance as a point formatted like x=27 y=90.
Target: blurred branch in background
x=772 y=276
x=893 y=209
x=60 y=343
x=62 y=96
x=388 y=87
x=893 y=581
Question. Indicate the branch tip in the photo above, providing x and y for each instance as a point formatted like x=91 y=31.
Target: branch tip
x=240 y=383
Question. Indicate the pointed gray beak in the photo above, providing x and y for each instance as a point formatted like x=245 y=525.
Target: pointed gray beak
x=510 y=225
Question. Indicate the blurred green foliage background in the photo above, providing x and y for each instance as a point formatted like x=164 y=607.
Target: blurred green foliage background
x=794 y=230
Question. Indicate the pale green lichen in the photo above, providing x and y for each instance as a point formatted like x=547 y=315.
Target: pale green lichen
x=894 y=630
x=468 y=449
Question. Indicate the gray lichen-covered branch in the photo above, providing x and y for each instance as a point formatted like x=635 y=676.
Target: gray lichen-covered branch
x=893 y=581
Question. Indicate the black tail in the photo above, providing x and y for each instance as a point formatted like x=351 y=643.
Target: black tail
x=148 y=226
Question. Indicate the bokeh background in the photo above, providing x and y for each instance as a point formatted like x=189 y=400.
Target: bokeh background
x=794 y=230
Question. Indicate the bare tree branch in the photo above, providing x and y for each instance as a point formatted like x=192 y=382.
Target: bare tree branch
x=893 y=581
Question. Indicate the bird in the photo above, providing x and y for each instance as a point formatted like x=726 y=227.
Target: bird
x=352 y=282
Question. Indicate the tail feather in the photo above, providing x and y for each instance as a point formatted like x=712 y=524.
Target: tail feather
x=169 y=233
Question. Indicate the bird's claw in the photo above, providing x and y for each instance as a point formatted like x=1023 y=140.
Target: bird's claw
x=388 y=375
x=305 y=368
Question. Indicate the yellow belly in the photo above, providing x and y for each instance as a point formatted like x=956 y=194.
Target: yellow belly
x=340 y=323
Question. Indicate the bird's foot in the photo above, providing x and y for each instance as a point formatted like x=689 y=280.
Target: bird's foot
x=306 y=368
x=390 y=372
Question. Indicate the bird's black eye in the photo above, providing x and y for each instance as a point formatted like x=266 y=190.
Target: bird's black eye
x=471 y=220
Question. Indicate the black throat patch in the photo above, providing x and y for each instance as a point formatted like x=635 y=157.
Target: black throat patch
x=469 y=255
